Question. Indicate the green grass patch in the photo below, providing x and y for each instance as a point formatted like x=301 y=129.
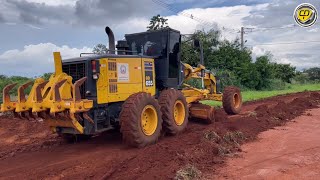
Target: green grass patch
x=255 y=95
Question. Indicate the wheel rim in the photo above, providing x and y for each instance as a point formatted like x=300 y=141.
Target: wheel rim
x=179 y=112
x=149 y=120
x=236 y=100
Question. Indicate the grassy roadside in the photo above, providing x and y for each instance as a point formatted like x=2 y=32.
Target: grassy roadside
x=255 y=95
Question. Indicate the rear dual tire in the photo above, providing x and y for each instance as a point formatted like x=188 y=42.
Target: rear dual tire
x=140 y=120
x=175 y=112
x=142 y=117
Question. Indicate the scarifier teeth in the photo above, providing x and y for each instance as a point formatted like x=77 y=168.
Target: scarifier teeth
x=7 y=104
x=21 y=93
x=38 y=95
x=16 y=115
x=26 y=115
x=57 y=101
x=88 y=118
x=76 y=89
x=56 y=94
x=42 y=115
x=23 y=115
x=6 y=91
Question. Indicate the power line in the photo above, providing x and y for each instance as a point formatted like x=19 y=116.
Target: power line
x=280 y=43
x=191 y=16
x=272 y=28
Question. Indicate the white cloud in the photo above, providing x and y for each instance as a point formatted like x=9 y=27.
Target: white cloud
x=283 y=30
x=133 y=25
x=36 y=59
x=55 y=2
x=274 y=14
x=228 y=17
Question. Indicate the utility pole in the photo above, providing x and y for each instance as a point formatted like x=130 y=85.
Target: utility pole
x=242 y=41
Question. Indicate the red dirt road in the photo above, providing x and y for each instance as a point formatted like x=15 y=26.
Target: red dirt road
x=289 y=152
x=29 y=151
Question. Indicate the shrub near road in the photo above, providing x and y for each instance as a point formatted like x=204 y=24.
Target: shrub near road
x=256 y=95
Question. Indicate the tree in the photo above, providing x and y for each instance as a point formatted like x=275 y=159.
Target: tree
x=4 y=80
x=209 y=40
x=46 y=76
x=313 y=73
x=234 y=65
x=157 y=22
x=100 y=49
x=285 y=72
x=265 y=69
x=301 y=77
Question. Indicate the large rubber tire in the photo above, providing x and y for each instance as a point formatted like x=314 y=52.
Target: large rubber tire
x=131 y=116
x=168 y=99
x=232 y=100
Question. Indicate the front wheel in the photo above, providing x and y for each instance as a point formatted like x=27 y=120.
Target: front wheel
x=232 y=100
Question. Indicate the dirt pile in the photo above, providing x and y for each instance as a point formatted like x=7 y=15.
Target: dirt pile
x=201 y=148
x=19 y=135
x=197 y=147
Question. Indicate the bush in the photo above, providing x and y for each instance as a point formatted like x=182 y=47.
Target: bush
x=277 y=84
x=301 y=78
x=227 y=78
x=313 y=73
x=194 y=83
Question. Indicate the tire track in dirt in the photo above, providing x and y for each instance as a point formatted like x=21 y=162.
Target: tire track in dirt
x=290 y=152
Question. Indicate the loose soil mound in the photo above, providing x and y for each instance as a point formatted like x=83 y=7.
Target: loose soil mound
x=19 y=135
x=201 y=148
x=194 y=147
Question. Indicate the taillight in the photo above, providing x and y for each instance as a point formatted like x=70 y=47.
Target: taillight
x=94 y=66
x=94 y=69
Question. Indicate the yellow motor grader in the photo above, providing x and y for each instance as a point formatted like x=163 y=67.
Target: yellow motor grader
x=139 y=88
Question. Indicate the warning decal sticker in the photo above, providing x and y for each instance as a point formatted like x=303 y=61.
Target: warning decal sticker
x=123 y=72
x=148 y=70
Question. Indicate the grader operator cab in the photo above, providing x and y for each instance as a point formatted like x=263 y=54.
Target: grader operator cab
x=138 y=88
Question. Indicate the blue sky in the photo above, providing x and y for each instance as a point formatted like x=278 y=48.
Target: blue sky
x=32 y=29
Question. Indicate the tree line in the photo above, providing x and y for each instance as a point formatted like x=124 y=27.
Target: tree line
x=234 y=65
x=226 y=59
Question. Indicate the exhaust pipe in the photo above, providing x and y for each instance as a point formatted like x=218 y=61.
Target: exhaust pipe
x=112 y=47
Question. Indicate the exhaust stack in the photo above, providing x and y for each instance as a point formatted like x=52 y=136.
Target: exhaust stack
x=111 y=40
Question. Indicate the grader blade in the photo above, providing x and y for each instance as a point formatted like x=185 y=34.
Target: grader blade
x=8 y=105
x=202 y=112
